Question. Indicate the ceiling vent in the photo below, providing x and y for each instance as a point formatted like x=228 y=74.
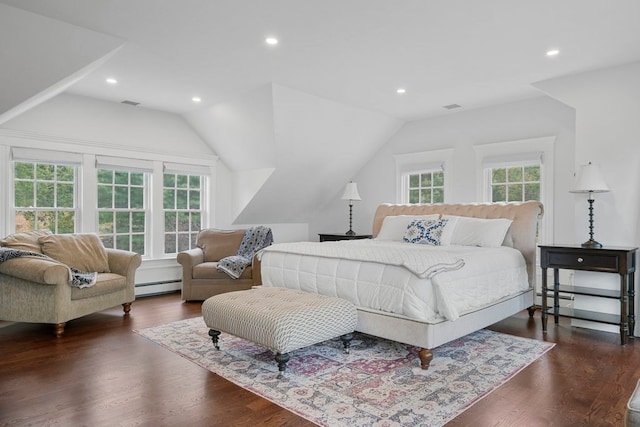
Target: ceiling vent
x=130 y=103
x=451 y=106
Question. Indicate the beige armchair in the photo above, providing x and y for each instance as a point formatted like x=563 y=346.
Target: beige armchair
x=200 y=276
x=38 y=290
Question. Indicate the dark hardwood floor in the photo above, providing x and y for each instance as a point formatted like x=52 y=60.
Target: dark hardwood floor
x=100 y=373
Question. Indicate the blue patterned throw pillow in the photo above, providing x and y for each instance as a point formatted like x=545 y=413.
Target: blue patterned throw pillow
x=424 y=232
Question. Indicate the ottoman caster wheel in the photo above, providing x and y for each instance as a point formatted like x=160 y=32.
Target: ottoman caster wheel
x=215 y=335
x=282 y=360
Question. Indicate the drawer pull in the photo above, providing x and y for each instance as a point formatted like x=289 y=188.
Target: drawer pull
x=580 y=259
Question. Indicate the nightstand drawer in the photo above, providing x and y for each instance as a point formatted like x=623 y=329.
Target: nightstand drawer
x=579 y=261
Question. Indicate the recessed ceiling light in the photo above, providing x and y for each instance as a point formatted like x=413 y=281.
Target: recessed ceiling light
x=112 y=81
x=401 y=90
x=553 y=52
x=271 y=41
x=196 y=99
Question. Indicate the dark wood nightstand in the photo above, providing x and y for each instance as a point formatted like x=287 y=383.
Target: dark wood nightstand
x=335 y=237
x=620 y=260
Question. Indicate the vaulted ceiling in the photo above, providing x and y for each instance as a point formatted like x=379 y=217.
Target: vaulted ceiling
x=356 y=52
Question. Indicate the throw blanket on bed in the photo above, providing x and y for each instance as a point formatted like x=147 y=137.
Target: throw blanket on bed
x=422 y=260
x=255 y=238
x=79 y=279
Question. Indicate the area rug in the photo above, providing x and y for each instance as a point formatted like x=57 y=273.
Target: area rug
x=378 y=383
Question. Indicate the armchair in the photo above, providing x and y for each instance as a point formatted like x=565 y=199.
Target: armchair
x=200 y=276
x=37 y=290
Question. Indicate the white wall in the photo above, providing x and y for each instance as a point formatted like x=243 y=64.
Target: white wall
x=111 y=124
x=607 y=104
x=461 y=131
x=225 y=213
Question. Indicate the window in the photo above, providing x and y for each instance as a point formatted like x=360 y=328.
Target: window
x=424 y=177
x=518 y=170
x=122 y=209
x=182 y=202
x=44 y=197
x=515 y=183
x=426 y=187
x=136 y=201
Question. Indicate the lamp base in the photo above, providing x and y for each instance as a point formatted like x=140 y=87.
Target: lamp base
x=591 y=244
x=350 y=233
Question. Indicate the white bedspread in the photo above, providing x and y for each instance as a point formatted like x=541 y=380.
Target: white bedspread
x=424 y=264
x=487 y=275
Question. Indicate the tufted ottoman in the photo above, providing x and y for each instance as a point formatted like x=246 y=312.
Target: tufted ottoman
x=280 y=319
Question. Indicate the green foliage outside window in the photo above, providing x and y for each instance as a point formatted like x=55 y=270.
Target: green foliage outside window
x=121 y=210
x=182 y=195
x=426 y=187
x=515 y=183
x=44 y=197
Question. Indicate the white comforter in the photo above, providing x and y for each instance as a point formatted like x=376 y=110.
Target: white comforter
x=382 y=275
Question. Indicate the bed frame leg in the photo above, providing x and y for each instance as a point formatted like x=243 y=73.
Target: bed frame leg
x=426 y=356
x=532 y=310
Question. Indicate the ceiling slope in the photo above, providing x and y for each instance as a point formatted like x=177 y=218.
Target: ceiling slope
x=292 y=149
x=319 y=145
x=42 y=57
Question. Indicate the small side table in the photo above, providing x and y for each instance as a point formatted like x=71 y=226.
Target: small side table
x=619 y=260
x=336 y=237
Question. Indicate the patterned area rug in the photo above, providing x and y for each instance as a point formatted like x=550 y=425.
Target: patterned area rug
x=378 y=383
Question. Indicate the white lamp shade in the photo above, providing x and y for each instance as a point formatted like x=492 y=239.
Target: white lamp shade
x=590 y=180
x=351 y=192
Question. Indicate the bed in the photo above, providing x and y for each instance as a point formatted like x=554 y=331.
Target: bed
x=477 y=267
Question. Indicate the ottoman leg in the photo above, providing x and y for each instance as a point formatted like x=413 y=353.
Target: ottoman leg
x=346 y=341
x=214 y=337
x=282 y=360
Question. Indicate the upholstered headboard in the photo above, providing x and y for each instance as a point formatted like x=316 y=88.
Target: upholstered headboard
x=521 y=235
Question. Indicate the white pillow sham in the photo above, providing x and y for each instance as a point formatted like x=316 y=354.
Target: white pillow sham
x=466 y=231
x=394 y=227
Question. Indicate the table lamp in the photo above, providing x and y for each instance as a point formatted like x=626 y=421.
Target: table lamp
x=590 y=181
x=351 y=194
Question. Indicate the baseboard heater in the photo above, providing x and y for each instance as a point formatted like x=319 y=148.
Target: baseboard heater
x=158 y=288
x=165 y=282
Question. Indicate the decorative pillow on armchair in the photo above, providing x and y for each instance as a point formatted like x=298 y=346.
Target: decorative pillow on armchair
x=82 y=251
x=26 y=241
x=425 y=232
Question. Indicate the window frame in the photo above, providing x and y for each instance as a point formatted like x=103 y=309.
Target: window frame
x=490 y=183
x=146 y=208
x=520 y=152
x=201 y=210
x=16 y=154
x=55 y=208
x=408 y=188
x=422 y=162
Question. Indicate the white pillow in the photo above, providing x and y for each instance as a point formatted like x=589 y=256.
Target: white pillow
x=394 y=227
x=447 y=231
x=488 y=233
